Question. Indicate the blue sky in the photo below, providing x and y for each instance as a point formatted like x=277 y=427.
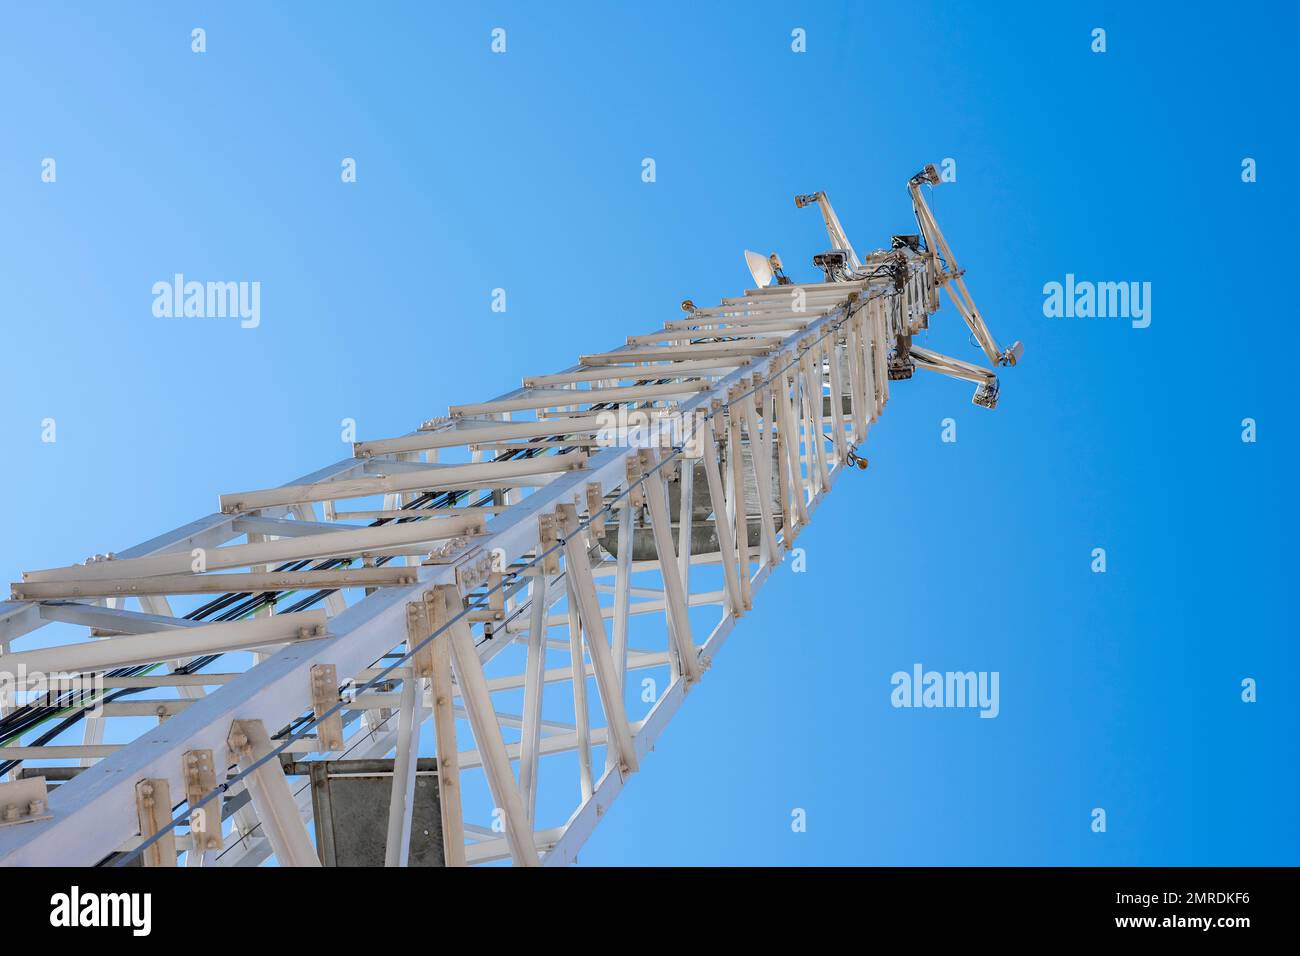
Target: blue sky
x=522 y=171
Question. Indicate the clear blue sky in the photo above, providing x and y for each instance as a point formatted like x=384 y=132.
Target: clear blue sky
x=523 y=171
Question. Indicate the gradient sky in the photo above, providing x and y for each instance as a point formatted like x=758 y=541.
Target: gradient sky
x=522 y=171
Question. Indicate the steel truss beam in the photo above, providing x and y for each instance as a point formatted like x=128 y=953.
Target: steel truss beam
x=575 y=494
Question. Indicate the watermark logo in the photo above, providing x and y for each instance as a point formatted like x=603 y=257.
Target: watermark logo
x=348 y=692
x=638 y=428
x=1102 y=300
x=922 y=688
x=74 y=908
x=84 y=692
x=203 y=300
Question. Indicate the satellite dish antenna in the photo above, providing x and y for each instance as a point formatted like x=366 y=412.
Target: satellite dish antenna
x=760 y=268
